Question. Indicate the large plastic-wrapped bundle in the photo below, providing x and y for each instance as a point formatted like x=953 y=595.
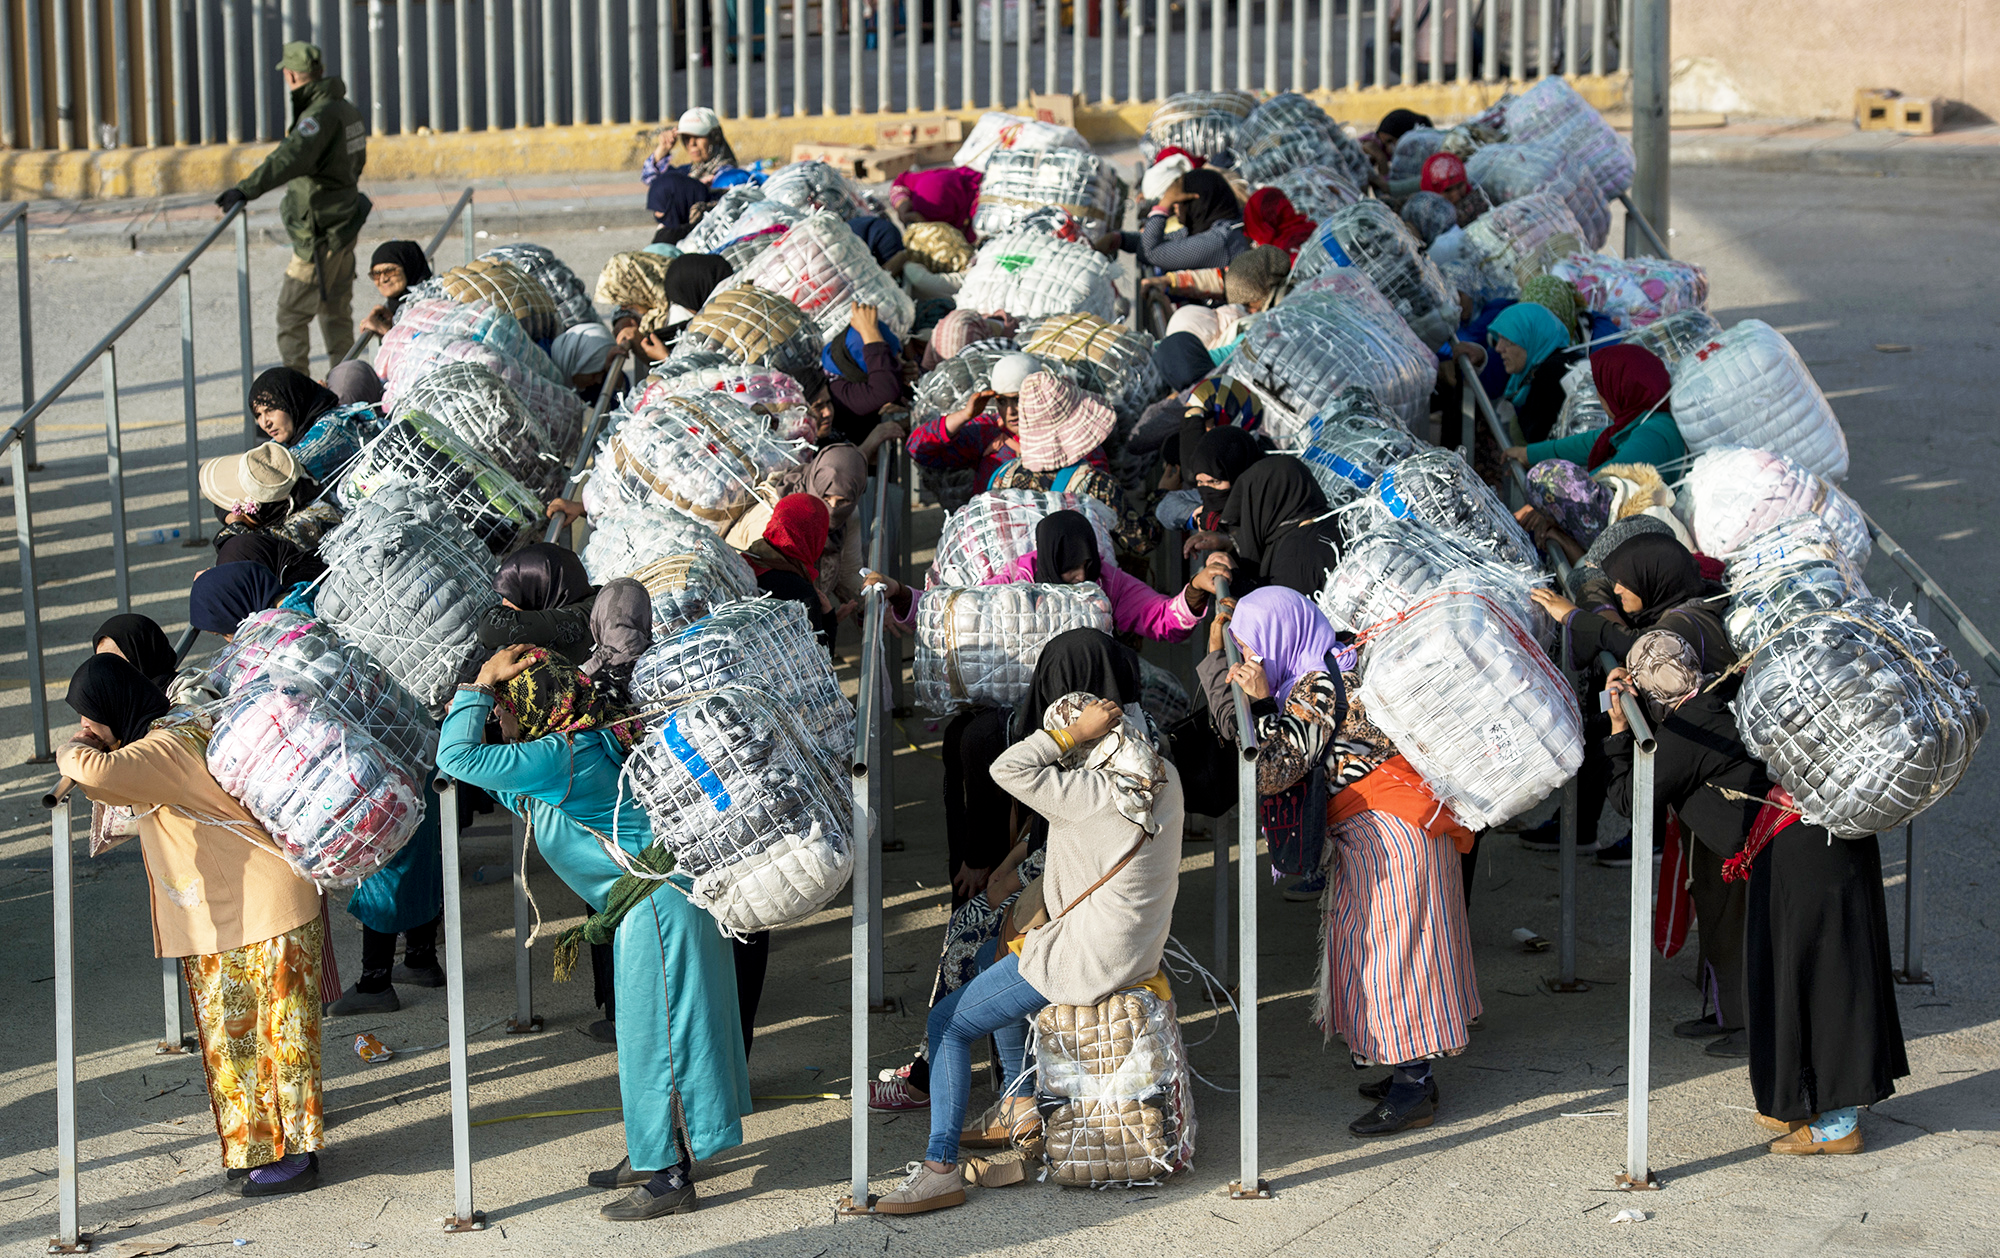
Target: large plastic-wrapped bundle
x=1400 y=562
x=705 y=454
x=1552 y=112
x=757 y=328
x=809 y=186
x=685 y=587
x=417 y=449
x=1373 y=239
x=747 y=809
x=1782 y=572
x=1862 y=714
x=1749 y=387
x=1354 y=441
x=1113 y=361
x=1469 y=269
x=822 y=267
x=627 y=537
x=977 y=645
x=763 y=642
x=767 y=391
x=1316 y=191
x=335 y=801
x=1439 y=488
x=488 y=415
x=557 y=406
x=1582 y=409
x=572 y=299
x=1162 y=695
x=509 y=288
x=1115 y=1091
x=1307 y=349
x=664 y=380
x=343 y=675
x=1413 y=148
x=406 y=582
x=743 y=211
x=983 y=538
x=1675 y=336
x=1030 y=274
x=1289 y=131
x=475 y=320
x=1021 y=181
x=948 y=386
x=1731 y=492
x=1507 y=234
x=1202 y=123
x=1634 y=291
x=1508 y=172
x=744 y=250
x=1471 y=699
x=1000 y=133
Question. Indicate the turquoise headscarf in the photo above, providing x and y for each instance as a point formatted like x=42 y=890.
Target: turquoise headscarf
x=1535 y=330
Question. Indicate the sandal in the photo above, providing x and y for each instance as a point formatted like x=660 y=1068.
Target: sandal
x=994 y=1130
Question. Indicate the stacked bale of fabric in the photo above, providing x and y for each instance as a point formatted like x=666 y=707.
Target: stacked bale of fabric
x=1731 y=492
x=473 y=320
x=1289 y=131
x=1005 y=133
x=1749 y=387
x=937 y=247
x=977 y=645
x=1030 y=274
x=416 y=449
x=1399 y=563
x=810 y=186
x=1509 y=172
x=1314 y=344
x=1552 y=112
x=1440 y=488
x=1354 y=440
x=1317 y=191
x=571 y=298
x=824 y=269
x=1633 y=291
x=509 y=288
x=757 y=328
x=1506 y=235
x=742 y=212
x=771 y=393
x=688 y=586
x=1781 y=573
x=1368 y=235
x=1112 y=361
x=1021 y=181
x=705 y=454
x=1115 y=1091
x=627 y=537
x=1202 y=123
x=488 y=415
x=1582 y=409
x=984 y=538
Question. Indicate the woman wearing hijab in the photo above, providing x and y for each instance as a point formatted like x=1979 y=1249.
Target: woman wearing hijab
x=863 y=375
x=354 y=382
x=306 y=418
x=582 y=355
x=1270 y=219
x=786 y=558
x=682 y=1076
x=1565 y=508
x=1280 y=527
x=621 y=624
x=671 y=198
x=396 y=267
x=1396 y=978
x=1635 y=387
x=634 y=285
x=247 y=927
x=545 y=600
x=1211 y=219
x=1062 y=432
x=837 y=476
x=293 y=567
x=140 y=642
x=224 y=595
x=947 y=195
x=1535 y=348
x=955 y=331
x=1210 y=465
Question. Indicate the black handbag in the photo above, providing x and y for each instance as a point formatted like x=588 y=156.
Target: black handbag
x=1207 y=765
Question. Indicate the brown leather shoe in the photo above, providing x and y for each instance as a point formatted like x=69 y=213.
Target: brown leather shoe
x=1802 y=1142
x=1780 y=1125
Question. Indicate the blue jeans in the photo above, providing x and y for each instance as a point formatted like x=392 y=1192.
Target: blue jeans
x=997 y=1002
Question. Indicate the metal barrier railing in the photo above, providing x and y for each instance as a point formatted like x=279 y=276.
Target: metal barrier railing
x=17 y=218
x=463 y=206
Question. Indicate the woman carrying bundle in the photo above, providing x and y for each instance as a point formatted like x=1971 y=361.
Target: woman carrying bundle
x=1062 y=432
x=837 y=476
x=305 y=417
x=1281 y=528
x=681 y=1072
x=1635 y=387
x=248 y=929
x=582 y=355
x=975 y=436
x=224 y=596
x=1211 y=219
x=863 y=374
x=1211 y=460
x=545 y=600
x=1534 y=346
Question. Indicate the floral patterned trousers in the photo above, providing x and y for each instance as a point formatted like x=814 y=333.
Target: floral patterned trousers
x=257 y=1008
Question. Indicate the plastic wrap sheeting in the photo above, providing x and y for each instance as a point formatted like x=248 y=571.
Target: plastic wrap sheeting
x=1439 y=488
x=510 y=289
x=1782 y=572
x=1749 y=387
x=1413 y=148
x=749 y=812
x=1203 y=123
x=477 y=320
x=557 y=406
x=1508 y=172
x=948 y=386
x=571 y=298
x=1162 y=695
x=705 y=454
x=1398 y=564
x=1031 y=274
x=1310 y=347
x=977 y=645
x=822 y=267
x=488 y=415
x=407 y=581
x=345 y=677
x=1582 y=409
x=1110 y=360
x=983 y=538
x=1634 y=291
x=1018 y=182
x=1465 y=693
x=809 y=186
x=419 y=449
x=1675 y=336
x=688 y=586
x=1553 y=112
x=1732 y=492
x=1468 y=268
x=1000 y=133
x=742 y=211
x=1114 y=1090
x=1507 y=234
x=1354 y=440
x=1316 y=191
x=1289 y=131
x=1378 y=243
x=765 y=390
x=624 y=539
x=1860 y=713
x=757 y=328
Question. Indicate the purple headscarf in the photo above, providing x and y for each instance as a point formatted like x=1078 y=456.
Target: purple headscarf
x=1283 y=628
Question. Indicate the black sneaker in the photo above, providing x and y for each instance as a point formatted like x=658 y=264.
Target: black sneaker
x=1379 y=1090
x=1386 y=1120
x=640 y=1203
x=1734 y=1044
x=431 y=975
x=355 y=1001
x=304 y=1181
x=1701 y=1029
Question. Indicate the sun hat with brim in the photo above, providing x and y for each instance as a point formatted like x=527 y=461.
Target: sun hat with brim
x=1060 y=424
x=264 y=474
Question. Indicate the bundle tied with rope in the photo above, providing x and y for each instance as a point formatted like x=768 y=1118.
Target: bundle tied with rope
x=626 y=894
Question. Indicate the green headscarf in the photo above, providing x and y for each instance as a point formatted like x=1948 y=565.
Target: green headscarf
x=1557 y=295
x=1535 y=330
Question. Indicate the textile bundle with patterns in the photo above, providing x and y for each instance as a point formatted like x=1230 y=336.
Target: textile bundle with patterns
x=336 y=802
x=488 y=415
x=1749 y=387
x=1002 y=133
x=983 y=538
x=1021 y=181
x=1509 y=172
x=767 y=642
x=555 y=405
x=1473 y=702
x=625 y=538
x=758 y=329
x=1582 y=409
x=664 y=378
x=477 y=320
x=1162 y=695
x=1316 y=191
x=1439 y=488
x=809 y=186
x=1115 y=1091
x=344 y=676
x=705 y=454
x=407 y=581
x=1203 y=123
x=938 y=247
x=1398 y=564
x=1287 y=132
x=1553 y=112
x=1862 y=714
x=1783 y=572
x=1354 y=440
x=751 y=814
x=1306 y=350
x=1031 y=274
x=1507 y=234
x=509 y=288
x=743 y=211
x=1634 y=291
x=1675 y=336
x=1110 y=360
x=415 y=448
x=689 y=586
x=1377 y=242
x=769 y=392
x=822 y=267
x=977 y=645
x=571 y=298
x=1731 y=492
x=744 y=250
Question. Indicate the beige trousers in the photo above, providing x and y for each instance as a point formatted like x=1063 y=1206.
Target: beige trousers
x=299 y=301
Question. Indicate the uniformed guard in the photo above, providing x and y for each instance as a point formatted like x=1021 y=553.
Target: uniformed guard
x=320 y=162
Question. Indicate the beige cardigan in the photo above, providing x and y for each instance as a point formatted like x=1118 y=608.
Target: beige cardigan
x=1114 y=938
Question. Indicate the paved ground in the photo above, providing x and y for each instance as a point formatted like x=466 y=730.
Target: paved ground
x=1531 y=1130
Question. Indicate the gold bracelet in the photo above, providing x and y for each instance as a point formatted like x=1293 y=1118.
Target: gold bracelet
x=1064 y=742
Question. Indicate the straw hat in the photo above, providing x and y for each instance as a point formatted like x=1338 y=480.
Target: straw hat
x=264 y=474
x=1059 y=423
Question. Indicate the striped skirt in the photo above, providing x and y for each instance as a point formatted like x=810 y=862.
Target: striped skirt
x=1395 y=977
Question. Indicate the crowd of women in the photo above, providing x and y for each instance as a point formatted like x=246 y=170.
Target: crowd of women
x=1064 y=810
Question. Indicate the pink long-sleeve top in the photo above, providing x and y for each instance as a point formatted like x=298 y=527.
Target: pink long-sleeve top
x=1135 y=606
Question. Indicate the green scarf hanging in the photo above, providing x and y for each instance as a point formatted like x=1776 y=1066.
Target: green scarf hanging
x=628 y=893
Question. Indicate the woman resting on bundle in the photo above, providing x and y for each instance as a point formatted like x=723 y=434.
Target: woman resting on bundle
x=306 y=418
x=837 y=476
x=249 y=931
x=1281 y=528
x=1823 y=1033
x=264 y=492
x=1211 y=219
x=983 y=433
x=545 y=600
x=1636 y=388
x=681 y=1074
x=1396 y=978
x=1113 y=805
x=1062 y=432
x=1534 y=346
x=1213 y=449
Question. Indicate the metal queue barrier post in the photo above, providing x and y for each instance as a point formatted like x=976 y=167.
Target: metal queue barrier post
x=463 y=206
x=1638 y=1174
x=68 y=1238
x=865 y=926
x=24 y=316
x=463 y=1217
x=1248 y=1185
x=880 y=747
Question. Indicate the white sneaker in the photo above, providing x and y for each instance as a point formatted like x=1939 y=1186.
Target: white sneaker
x=923 y=1190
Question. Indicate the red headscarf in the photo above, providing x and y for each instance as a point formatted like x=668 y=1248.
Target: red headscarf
x=1633 y=383
x=1269 y=219
x=1194 y=160
x=798 y=528
x=1442 y=173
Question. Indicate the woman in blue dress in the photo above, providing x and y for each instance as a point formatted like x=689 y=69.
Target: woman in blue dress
x=682 y=1076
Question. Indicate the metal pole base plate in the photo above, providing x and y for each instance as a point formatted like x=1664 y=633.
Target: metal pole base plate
x=1568 y=989
x=48 y=759
x=846 y=1206
x=1913 y=980
x=477 y=1223
x=82 y=1246
x=514 y=1026
x=192 y=542
x=1262 y=1192
x=1625 y=1183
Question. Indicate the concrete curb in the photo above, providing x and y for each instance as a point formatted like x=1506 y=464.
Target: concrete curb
x=1940 y=162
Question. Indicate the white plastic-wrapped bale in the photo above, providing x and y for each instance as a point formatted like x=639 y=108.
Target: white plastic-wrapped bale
x=1439 y=488
x=1372 y=238
x=1021 y=181
x=572 y=299
x=1031 y=274
x=477 y=320
x=1110 y=360
x=1582 y=409
x=1309 y=348
x=1507 y=234
x=1317 y=191
x=1509 y=172
x=1413 y=148
x=625 y=538
x=948 y=386
x=557 y=406
x=824 y=269
x=417 y=449
x=744 y=250
x=488 y=415
x=1633 y=291
x=1001 y=133
x=1749 y=387
x=1354 y=440
x=1552 y=111
x=757 y=328
x=1289 y=131
x=1201 y=123
x=1162 y=695
x=509 y=288
x=977 y=645
x=1675 y=336
x=1782 y=572
x=1862 y=714
x=705 y=454
x=765 y=390
x=982 y=539
x=1115 y=1090
x=1732 y=492
x=1467 y=695
x=749 y=812
x=742 y=211
x=1398 y=564
x=1469 y=268
x=686 y=587
x=809 y=186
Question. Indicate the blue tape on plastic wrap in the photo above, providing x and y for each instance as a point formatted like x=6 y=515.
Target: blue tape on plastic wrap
x=1392 y=499
x=1354 y=474
x=697 y=767
x=1334 y=251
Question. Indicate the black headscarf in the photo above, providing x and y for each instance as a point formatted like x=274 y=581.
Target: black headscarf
x=407 y=254
x=1065 y=540
x=143 y=644
x=1400 y=122
x=300 y=396
x=1657 y=568
x=1276 y=492
x=542 y=577
x=286 y=561
x=109 y=690
x=1082 y=659
x=672 y=196
x=1223 y=454
x=1182 y=360
x=227 y=593
x=1214 y=202
x=692 y=277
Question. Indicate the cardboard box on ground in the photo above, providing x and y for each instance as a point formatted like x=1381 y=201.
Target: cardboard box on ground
x=899 y=146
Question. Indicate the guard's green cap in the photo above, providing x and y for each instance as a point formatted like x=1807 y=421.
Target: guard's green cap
x=300 y=57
